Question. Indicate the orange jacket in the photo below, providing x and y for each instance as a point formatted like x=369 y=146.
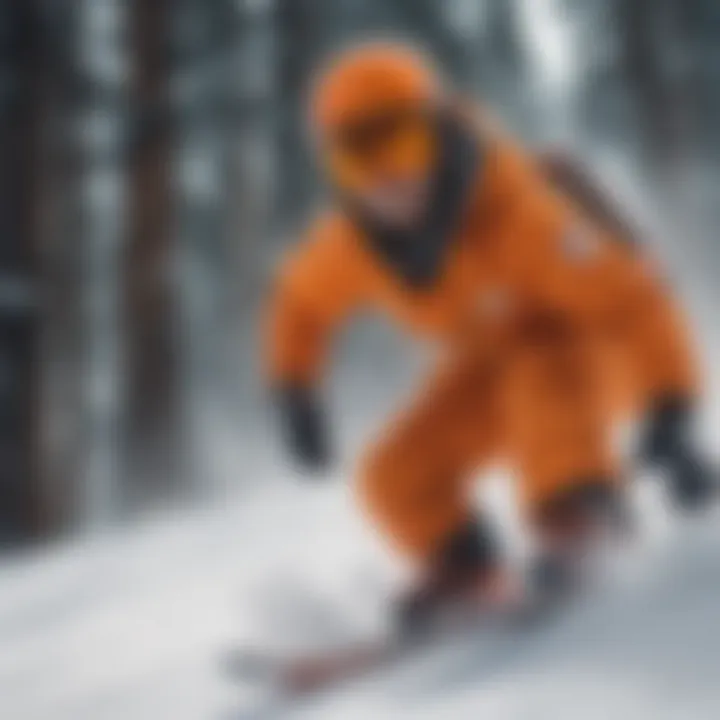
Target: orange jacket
x=521 y=249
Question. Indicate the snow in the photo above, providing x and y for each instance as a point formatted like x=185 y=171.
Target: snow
x=131 y=624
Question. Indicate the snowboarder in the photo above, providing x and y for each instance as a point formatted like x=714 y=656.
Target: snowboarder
x=553 y=324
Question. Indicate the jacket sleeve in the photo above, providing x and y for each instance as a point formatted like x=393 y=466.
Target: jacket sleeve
x=583 y=270
x=316 y=288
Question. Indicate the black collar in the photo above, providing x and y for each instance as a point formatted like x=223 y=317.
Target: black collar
x=418 y=255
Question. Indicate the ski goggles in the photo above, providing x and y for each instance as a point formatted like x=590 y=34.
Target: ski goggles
x=398 y=144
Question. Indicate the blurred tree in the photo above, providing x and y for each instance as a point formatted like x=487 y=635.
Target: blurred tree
x=252 y=163
x=62 y=260
x=658 y=102
x=100 y=128
x=695 y=28
x=204 y=39
x=503 y=44
x=22 y=92
x=300 y=38
x=151 y=432
x=429 y=22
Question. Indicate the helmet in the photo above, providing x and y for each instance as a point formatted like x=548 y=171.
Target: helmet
x=369 y=79
x=372 y=114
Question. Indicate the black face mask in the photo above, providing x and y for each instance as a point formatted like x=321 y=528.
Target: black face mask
x=417 y=255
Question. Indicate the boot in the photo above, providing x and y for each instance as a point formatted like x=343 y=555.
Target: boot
x=465 y=568
x=570 y=529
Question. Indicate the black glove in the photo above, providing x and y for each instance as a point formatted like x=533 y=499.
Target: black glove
x=304 y=427
x=668 y=444
x=667 y=428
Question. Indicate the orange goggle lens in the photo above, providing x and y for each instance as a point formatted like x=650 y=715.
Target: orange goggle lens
x=397 y=145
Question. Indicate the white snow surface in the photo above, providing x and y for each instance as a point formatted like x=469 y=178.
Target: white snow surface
x=131 y=625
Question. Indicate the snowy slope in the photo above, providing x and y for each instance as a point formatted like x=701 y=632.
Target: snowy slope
x=130 y=625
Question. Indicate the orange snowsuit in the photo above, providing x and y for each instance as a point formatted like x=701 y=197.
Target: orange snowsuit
x=550 y=324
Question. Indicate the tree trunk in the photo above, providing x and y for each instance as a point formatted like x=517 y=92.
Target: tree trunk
x=22 y=509
x=150 y=322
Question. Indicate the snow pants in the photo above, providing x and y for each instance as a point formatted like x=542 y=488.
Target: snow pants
x=547 y=406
